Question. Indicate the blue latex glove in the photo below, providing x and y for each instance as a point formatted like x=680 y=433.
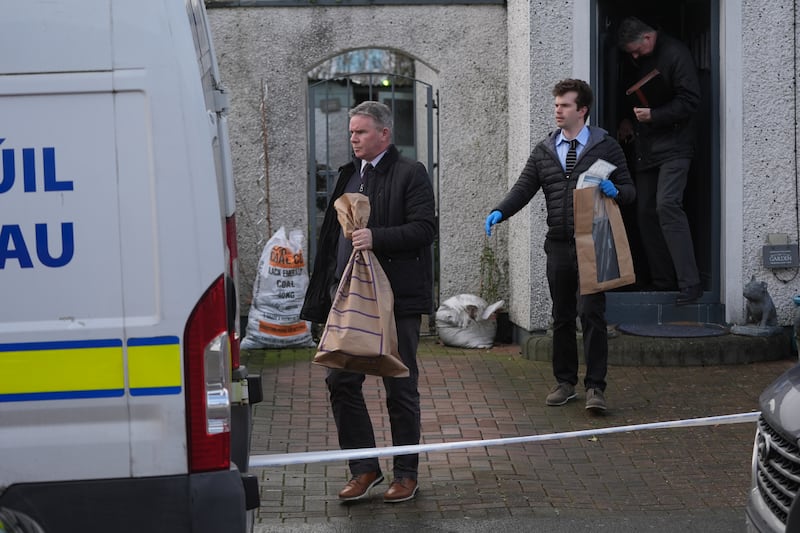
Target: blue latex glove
x=608 y=188
x=493 y=218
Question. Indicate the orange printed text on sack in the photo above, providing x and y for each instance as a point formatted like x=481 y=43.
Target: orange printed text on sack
x=284 y=258
x=279 y=330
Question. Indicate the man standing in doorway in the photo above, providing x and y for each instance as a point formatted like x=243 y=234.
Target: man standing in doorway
x=554 y=166
x=664 y=149
x=400 y=232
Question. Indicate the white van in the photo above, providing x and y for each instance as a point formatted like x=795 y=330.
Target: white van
x=122 y=403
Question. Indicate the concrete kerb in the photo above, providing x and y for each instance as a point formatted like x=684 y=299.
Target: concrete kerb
x=633 y=350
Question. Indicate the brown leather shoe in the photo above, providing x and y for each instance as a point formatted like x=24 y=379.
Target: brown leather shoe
x=359 y=486
x=401 y=490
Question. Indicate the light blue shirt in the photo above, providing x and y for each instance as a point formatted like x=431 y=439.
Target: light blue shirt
x=562 y=145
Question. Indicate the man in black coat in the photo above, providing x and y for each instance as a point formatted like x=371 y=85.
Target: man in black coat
x=554 y=166
x=400 y=233
x=665 y=137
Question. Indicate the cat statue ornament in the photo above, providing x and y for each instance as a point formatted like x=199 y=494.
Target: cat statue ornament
x=761 y=318
x=759 y=306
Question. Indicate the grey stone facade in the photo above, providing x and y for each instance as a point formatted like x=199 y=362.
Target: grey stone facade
x=494 y=67
x=280 y=45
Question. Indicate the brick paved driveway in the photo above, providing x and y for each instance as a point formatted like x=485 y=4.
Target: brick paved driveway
x=486 y=394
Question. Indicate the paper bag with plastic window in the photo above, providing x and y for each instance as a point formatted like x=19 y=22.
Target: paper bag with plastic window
x=360 y=334
x=604 y=255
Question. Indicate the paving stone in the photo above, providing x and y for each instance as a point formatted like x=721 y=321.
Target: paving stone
x=486 y=394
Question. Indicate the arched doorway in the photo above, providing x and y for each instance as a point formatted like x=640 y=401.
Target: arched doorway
x=344 y=81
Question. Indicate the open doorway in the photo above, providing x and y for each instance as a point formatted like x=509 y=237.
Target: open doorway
x=695 y=23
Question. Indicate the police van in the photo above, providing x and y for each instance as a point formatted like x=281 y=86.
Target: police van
x=123 y=406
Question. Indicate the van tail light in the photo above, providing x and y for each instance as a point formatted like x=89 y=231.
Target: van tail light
x=234 y=321
x=207 y=366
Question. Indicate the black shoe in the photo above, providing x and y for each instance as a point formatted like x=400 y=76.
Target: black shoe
x=688 y=295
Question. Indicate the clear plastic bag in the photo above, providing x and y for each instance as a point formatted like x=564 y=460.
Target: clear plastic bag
x=604 y=248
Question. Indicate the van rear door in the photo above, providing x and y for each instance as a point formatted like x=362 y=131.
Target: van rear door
x=110 y=233
x=61 y=329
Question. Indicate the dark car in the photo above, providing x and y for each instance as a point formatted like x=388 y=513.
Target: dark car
x=772 y=504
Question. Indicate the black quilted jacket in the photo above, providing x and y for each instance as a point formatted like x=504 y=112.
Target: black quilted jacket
x=402 y=220
x=543 y=171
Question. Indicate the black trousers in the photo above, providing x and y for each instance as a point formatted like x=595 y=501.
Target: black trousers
x=568 y=304
x=664 y=228
x=353 y=423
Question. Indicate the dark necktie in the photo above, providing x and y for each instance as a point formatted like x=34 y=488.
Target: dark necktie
x=368 y=168
x=572 y=155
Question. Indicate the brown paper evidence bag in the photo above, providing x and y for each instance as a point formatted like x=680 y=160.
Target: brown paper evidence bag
x=604 y=255
x=360 y=334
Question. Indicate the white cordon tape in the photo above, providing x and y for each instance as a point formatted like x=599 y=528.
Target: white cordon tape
x=283 y=459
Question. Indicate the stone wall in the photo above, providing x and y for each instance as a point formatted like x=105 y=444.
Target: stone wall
x=769 y=136
x=463 y=49
x=493 y=67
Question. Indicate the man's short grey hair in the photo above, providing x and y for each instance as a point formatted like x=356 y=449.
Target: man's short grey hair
x=631 y=30
x=378 y=111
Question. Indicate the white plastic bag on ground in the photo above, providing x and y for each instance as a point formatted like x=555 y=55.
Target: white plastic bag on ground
x=467 y=321
x=278 y=293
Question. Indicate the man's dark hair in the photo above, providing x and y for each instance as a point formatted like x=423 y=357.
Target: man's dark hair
x=631 y=30
x=585 y=96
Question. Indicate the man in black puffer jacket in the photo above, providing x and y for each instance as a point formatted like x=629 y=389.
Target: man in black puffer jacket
x=400 y=232
x=665 y=138
x=554 y=166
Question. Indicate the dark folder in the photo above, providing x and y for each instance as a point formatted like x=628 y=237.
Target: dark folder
x=650 y=91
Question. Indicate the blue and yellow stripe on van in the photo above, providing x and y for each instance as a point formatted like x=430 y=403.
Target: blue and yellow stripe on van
x=67 y=370
x=154 y=366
